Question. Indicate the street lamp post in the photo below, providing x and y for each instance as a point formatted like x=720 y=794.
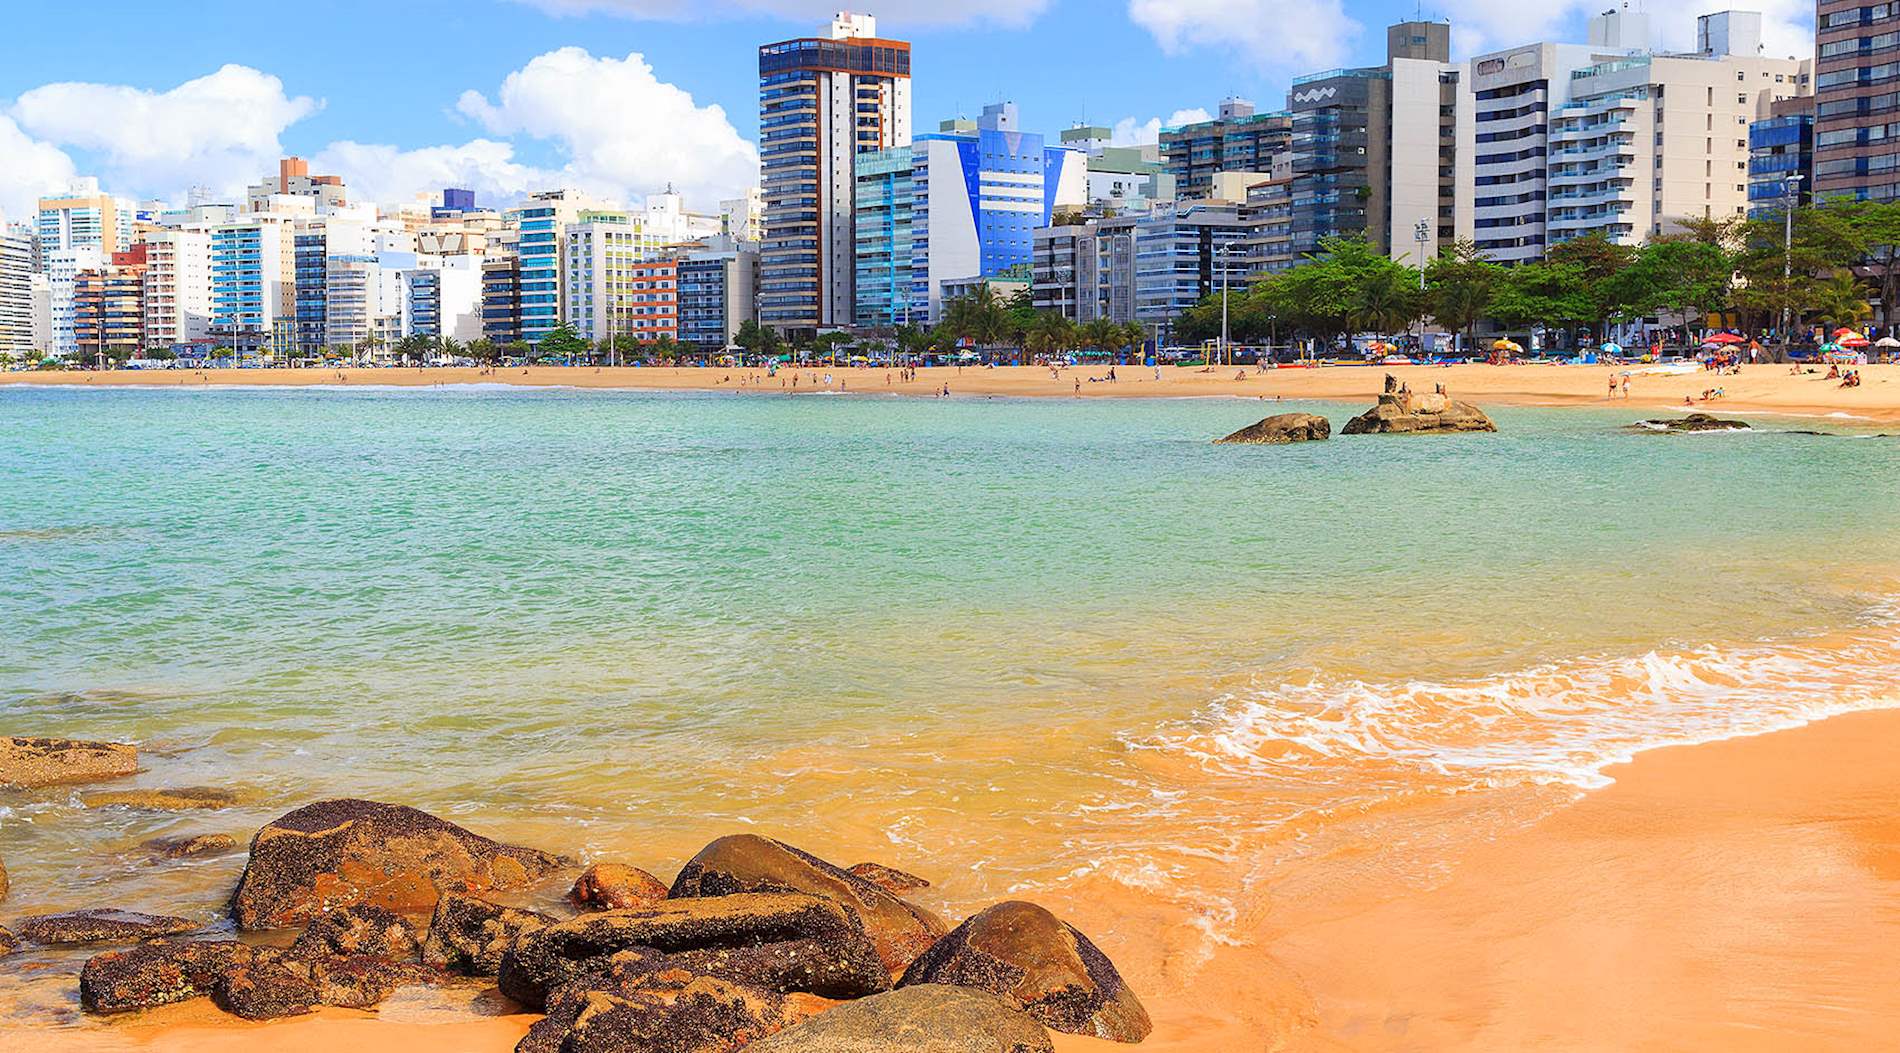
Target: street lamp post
x=1790 y=188
x=1421 y=233
x=1222 y=256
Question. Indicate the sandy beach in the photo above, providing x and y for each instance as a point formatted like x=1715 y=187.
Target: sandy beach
x=1758 y=389
x=1742 y=895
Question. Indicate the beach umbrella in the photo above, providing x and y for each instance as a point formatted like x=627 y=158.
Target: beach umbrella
x=1829 y=348
x=1856 y=340
x=1887 y=341
x=1507 y=345
x=1845 y=331
x=1612 y=348
x=1724 y=338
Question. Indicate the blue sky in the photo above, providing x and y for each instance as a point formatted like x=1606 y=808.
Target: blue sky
x=623 y=96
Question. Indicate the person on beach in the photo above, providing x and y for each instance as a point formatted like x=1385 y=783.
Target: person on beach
x=1626 y=385
x=1612 y=385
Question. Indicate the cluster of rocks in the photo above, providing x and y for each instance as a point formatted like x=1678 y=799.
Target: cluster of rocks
x=1693 y=422
x=754 y=945
x=1400 y=411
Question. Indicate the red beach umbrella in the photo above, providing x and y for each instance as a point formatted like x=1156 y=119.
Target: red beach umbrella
x=1724 y=338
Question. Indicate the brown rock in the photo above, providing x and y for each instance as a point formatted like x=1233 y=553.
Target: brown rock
x=155 y=974
x=346 y=852
x=264 y=988
x=101 y=926
x=1693 y=422
x=32 y=762
x=5 y=884
x=360 y=930
x=180 y=799
x=468 y=935
x=194 y=845
x=1400 y=411
x=780 y=942
x=673 y=1012
x=890 y=879
x=749 y=863
x=1039 y=964
x=927 y=1018
x=1282 y=429
x=358 y=981
x=615 y=886
x=7 y=943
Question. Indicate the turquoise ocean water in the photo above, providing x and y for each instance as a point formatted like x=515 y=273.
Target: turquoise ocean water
x=1003 y=641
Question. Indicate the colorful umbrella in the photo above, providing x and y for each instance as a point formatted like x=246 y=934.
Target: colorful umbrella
x=1724 y=338
x=1855 y=340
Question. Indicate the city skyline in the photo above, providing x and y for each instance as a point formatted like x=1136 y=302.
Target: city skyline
x=504 y=97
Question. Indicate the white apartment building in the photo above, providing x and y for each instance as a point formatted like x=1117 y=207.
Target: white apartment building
x=602 y=250
x=1432 y=137
x=17 y=253
x=62 y=268
x=177 y=287
x=743 y=218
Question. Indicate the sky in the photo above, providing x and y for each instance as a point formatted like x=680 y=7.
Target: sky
x=625 y=97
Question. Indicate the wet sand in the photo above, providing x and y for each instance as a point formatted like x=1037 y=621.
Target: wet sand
x=1759 y=389
x=1742 y=895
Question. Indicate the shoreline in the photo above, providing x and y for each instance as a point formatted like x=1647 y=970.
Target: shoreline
x=1758 y=389
x=1740 y=894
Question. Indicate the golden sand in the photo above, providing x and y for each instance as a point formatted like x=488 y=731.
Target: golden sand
x=1758 y=389
x=1743 y=895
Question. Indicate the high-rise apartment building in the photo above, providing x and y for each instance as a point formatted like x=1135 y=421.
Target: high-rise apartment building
x=1239 y=140
x=1857 y=100
x=501 y=300
x=822 y=101
x=109 y=308
x=717 y=294
x=1781 y=158
x=177 y=288
x=542 y=221
x=1514 y=93
x=78 y=231
x=253 y=284
x=17 y=253
x=293 y=179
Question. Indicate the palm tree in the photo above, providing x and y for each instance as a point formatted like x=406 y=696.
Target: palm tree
x=1840 y=300
x=1049 y=335
x=1134 y=335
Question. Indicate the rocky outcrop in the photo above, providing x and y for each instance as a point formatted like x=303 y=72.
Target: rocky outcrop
x=192 y=846
x=890 y=879
x=157 y=973
x=1401 y=412
x=181 y=799
x=1692 y=423
x=671 y=1012
x=783 y=942
x=1040 y=964
x=360 y=930
x=1285 y=428
x=749 y=863
x=8 y=944
x=264 y=988
x=615 y=886
x=101 y=926
x=927 y=1018
x=347 y=852
x=34 y=762
x=358 y=981
x=469 y=935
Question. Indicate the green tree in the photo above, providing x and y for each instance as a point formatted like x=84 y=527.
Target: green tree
x=758 y=339
x=483 y=350
x=562 y=343
x=1592 y=261
x=832 y=345
x=518 y=350
x=1839 y=300
x=1550 y=294
x=1049 y=334
x=1875 y=228
x=1459 y=287
x=1687 y=277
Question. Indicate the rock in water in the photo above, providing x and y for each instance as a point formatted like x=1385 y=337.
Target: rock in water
x=1691 y=423
x=783 y=942
x=1400 y=411
x=182 y=799
x=468 y=935
x=7 y=943
x=102 y=926
x=5 y=885
x=264 y=989
x=360 y=930
x=1039 y=964
x=890 y=879
x=155 y=974
x=668 y=1013
x=192 y=846
x=749 y=863
x=343 y=853
x=1285 y=428
x=927 y=1018
x=33 y=762
x=615 y=886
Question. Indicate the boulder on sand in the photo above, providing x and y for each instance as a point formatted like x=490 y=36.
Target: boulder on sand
x=1692 y=423
x=783 y=942
x=32 y=762
x=1040 y=964
x=1285 y=428
x=264 y=988
x=616 y=886
x=673 y=1012
x=359 y=930
x=347 y=852
x=7 y=943
x=102 y=926
x=156 y=973
x=749 y=863
x=1401 y=412
x=469 y=935
x=927 y=1018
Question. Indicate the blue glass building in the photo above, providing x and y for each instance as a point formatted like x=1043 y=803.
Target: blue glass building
x=1780 y=147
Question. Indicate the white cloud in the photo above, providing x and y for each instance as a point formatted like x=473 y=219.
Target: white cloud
x=31 y=170
x=622 y=130
x=890 y=13
x=1131 y=132
x=222 y=129
x=1481 y=25
x=1286 y=35
x=389 y=174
